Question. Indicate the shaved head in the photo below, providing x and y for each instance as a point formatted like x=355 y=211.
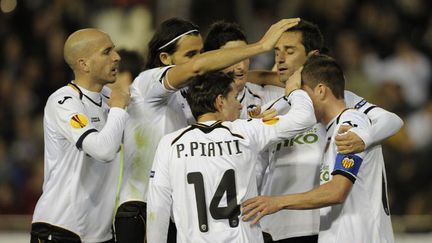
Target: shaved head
x=81 y=44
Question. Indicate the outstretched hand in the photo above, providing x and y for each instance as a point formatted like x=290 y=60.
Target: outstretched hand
x=268 y=41
x=348 y=142
x=258 y=207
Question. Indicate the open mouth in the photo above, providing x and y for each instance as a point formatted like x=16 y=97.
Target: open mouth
x=239 y=75
x=282 y=70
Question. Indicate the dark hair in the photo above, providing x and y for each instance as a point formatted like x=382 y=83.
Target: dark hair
x=222 y=32
x=312 y=38
x=324 y=69
x=131 y=61
x=165 y=33
x=204 y=89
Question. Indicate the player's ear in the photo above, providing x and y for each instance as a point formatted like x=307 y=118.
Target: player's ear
x=83 y=65
x=313 y=52
x=219 y=102
x=165 y=58
x=320 y=91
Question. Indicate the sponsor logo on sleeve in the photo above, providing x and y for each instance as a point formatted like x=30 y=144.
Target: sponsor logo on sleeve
x=64 y=99
x=360 y=104
x=78 y=121
x=152 y=173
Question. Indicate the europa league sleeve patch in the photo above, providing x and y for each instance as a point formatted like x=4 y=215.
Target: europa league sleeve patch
x=78 y=121
x=348 y=163
x=271 y=121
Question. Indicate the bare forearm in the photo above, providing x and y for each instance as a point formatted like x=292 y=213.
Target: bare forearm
x=316 y=198
x=222 y=58
x=263 y=77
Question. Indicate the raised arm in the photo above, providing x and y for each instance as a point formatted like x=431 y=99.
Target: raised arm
x=179 y=75
x=103 y=145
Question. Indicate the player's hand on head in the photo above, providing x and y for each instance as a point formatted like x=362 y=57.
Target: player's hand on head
x=120 y=97
x=294 y=81
x=257 y=207
x=268 y=41
x=348 y=142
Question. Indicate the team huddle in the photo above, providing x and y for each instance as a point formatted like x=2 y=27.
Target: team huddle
x=198 y=148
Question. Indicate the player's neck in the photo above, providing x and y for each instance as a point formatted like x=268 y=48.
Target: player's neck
x=215 y=116
x=88 y=84
x=333 y=109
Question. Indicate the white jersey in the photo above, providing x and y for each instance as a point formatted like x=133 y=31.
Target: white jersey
x=205 y=171
x=294 y=167
x=78 y=190
x=271 y=93
x=153 y=112
x=249 y=100
x=364 y=216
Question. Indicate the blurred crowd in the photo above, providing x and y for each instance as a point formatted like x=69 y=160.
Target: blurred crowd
x=385 y=48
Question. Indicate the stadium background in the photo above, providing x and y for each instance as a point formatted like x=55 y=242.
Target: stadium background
x=385 y=48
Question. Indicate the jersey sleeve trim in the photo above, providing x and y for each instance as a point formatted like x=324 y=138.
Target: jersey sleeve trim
x=163 y=75
x=84 y=135
x=348 y=175
x=283 y=97
x=369 y=109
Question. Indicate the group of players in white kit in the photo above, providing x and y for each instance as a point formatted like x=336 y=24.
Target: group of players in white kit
x=201 y=145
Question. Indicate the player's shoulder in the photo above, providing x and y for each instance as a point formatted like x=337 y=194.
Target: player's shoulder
x=243 y=125
x=251 y=92
x=171 y=138
x=148 y=78
x=354 y=118
x=62 y=95
x=150 y=74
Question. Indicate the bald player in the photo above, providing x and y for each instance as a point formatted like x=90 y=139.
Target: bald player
x=82 y=135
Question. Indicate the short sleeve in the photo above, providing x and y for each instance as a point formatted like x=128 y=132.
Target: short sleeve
x=150 y=85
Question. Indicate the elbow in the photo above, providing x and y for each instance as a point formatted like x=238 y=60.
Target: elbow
x=311 y=120
x=198 y=67
x=339 y=198
x=308 y=119
x=399 y=121
x=105 y=155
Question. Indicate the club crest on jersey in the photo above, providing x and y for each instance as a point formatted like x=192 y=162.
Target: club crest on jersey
x=271 y=121
x=78 y=121
x=347 y=162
